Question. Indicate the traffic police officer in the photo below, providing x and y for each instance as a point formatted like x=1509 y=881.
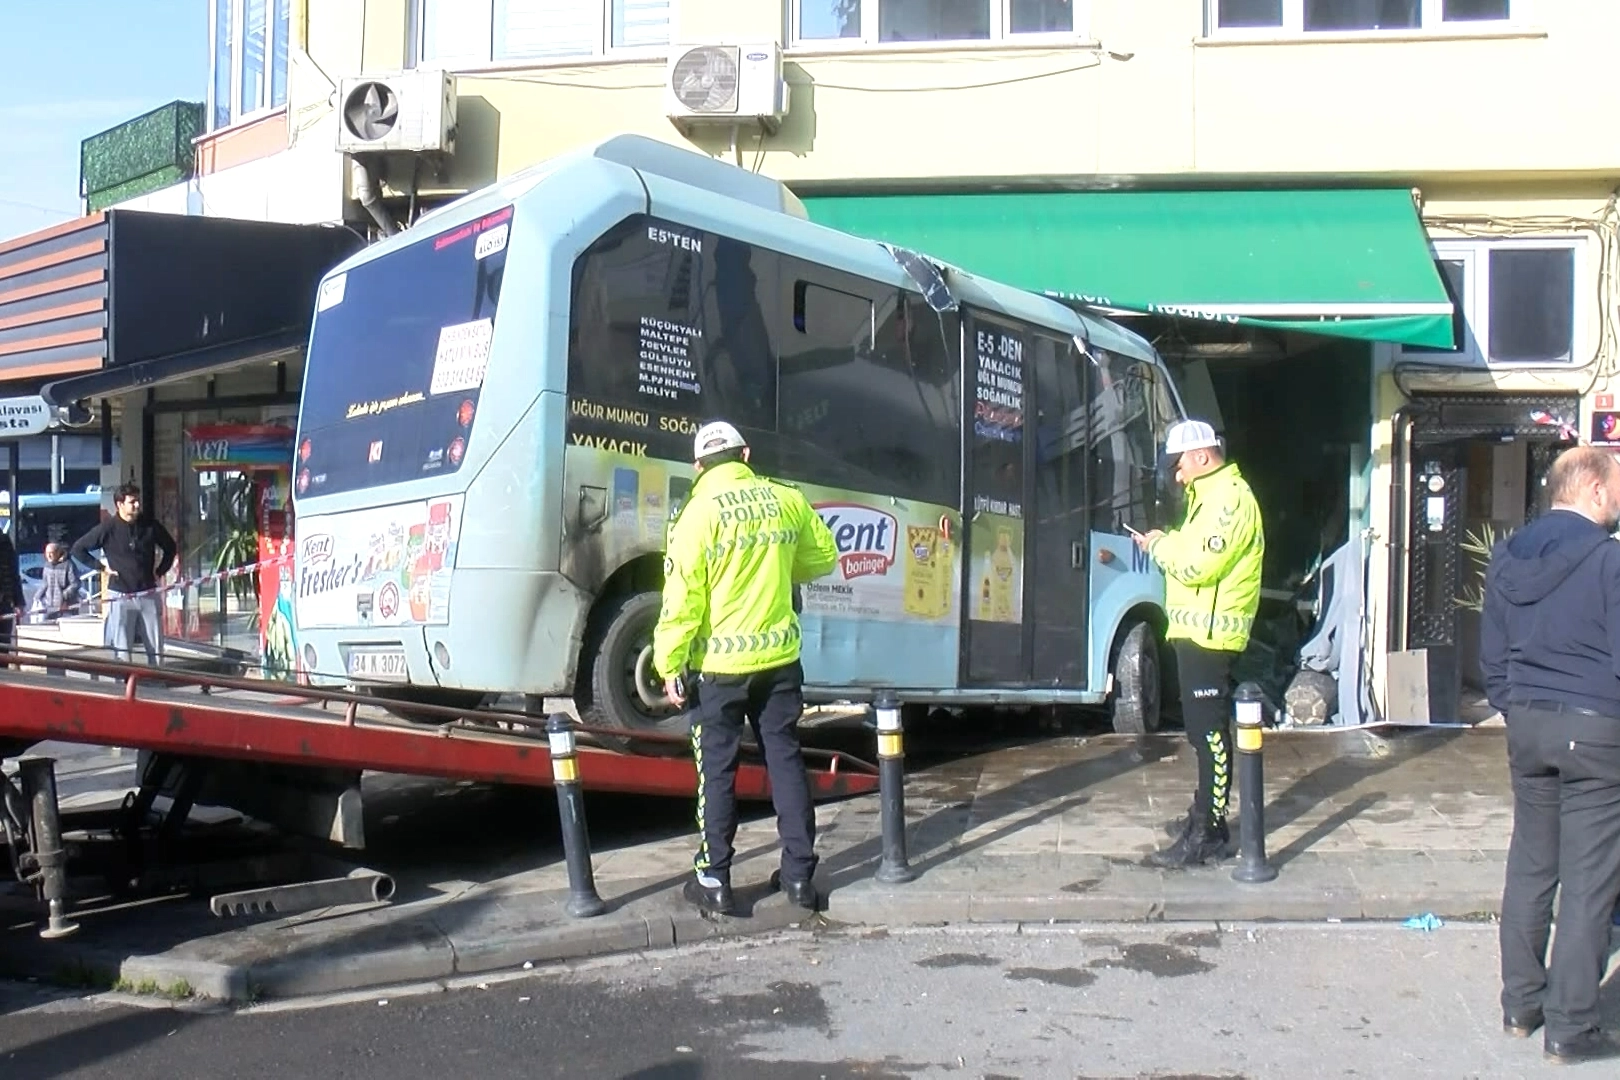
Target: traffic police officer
x=1211 y=565
x=735 y=553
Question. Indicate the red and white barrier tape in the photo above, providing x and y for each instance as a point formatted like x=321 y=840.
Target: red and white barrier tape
x=111 y=593
x=202 y=579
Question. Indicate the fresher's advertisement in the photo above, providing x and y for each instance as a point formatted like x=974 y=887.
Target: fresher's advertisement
x=894 y=563
x=387 y=566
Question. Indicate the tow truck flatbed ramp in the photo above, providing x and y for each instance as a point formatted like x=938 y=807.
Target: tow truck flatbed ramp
x=184 y=713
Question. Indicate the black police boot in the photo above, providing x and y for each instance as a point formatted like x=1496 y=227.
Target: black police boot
x=799 y=893
x=1201 y=842
x=1590 y=1045
x=1175 y=827
x=715 y=898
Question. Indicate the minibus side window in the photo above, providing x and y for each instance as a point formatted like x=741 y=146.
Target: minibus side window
x=869 y=388
x=676 y=326
x=1167 y=496
x=1124 y=486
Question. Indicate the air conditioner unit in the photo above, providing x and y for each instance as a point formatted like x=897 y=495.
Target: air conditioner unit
x=725 y=84
x=403 y=111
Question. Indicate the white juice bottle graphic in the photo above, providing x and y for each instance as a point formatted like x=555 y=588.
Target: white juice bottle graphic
x=626 y=504
x=654 y=513
x=1002 y=566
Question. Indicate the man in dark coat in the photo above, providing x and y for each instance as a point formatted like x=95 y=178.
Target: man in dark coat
x=1550 y=651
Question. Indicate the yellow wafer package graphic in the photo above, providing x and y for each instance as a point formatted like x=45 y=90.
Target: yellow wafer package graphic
x=927 y=572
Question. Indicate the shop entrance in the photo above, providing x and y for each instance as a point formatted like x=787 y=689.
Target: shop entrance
x=1295 y=413
x=234 y=532
x=1468 y=473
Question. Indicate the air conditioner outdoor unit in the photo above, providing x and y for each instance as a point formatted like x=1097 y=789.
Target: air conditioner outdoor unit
x=725 y=84
x=401 y=111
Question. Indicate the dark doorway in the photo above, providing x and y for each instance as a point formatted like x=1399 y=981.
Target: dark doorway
x=1468 y=472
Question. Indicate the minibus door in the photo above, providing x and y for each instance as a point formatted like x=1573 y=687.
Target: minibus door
x=995 y=646
x=1057 y=513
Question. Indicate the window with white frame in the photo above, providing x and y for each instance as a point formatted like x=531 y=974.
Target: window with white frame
x=248 y=55
x=459 y=33
x=1344 y=16
x=899 y=21
x=1518 y=302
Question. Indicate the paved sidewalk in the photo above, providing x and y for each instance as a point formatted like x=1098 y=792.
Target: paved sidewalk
x=1361 y=826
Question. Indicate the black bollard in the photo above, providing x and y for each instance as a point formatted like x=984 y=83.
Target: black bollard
x=38 y=776
x=583 y=902
x=893 y=869
x=1252 y=868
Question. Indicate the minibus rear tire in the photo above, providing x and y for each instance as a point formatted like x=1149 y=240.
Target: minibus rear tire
x=603 y=691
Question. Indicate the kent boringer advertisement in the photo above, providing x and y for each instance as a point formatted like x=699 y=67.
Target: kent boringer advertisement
x=894 y=564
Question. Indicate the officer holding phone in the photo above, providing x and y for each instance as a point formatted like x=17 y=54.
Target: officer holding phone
x=1211 y=565
x=727 y=640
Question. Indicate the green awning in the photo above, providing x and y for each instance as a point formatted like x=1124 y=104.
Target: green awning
x=1349 y=263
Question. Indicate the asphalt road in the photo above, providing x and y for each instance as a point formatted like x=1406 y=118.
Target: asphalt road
x=1191 y=1003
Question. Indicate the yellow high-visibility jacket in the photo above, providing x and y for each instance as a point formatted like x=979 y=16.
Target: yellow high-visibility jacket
x=733 y=556
x=1212 y=563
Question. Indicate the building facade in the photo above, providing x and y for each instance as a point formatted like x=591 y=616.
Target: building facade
x=1288 y=196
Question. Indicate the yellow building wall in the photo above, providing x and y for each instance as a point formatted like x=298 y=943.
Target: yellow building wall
x=1140 y=94
x=327 y=41
x=386 y=23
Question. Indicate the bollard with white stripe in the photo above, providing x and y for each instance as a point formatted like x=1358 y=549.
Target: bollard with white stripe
x=583 y=901
x=1252 y=868
x=893 y=869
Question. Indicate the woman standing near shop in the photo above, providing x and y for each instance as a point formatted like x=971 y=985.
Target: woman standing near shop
x=59 y=585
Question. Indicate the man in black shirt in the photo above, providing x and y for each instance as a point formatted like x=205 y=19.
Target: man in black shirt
x=131 y=546
x=1550 y=652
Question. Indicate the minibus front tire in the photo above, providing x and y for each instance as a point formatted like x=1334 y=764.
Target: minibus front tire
x=1137 y=681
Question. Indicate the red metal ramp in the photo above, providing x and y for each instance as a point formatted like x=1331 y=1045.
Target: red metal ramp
x=251 y=720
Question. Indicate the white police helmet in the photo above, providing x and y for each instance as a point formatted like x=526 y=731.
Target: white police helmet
x=716 y=438
x=1189 y=435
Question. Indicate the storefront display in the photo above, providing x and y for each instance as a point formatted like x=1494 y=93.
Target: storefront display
x=237 y=540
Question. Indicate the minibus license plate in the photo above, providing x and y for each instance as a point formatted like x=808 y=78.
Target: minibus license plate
x=387 y=665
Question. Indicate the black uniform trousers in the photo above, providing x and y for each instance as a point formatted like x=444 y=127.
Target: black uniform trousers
x=770 y=702
x=1204 y=680
x=1566 y=832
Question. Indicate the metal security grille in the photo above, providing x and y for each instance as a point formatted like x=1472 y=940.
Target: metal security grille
x=1439 y=483
x=1542 y=455
x=1445 y=417
x=1435 y=509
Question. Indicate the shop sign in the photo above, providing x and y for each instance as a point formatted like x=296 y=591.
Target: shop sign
x=23 y=416
x=239 y=446
x=1606 y=429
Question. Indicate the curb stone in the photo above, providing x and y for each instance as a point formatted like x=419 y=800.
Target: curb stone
x=321 y=959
